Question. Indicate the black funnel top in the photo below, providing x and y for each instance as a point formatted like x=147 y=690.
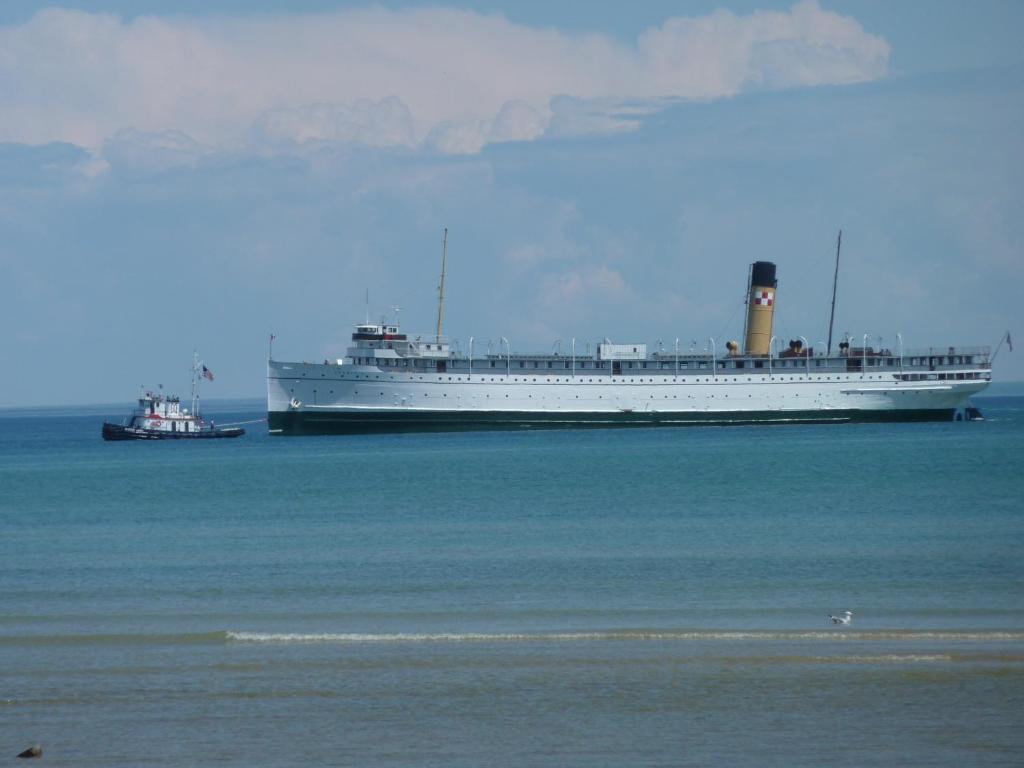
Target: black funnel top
x=763 y=273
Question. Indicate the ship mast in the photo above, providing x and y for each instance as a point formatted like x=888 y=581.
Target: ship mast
x=440 y=289
x=195 y=381
x=835 y=280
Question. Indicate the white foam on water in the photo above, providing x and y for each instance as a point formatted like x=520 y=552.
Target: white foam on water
x=437 y=637
x=654 y=635
x=888 y=658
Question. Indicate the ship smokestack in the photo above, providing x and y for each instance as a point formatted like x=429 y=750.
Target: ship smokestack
x=760 y=307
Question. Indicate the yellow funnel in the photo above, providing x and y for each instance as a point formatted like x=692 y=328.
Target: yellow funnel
x=760 y=307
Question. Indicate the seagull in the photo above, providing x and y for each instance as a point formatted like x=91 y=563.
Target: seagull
x=845 y=618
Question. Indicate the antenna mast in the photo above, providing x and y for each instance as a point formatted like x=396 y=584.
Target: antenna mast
x=195 y=380
x=835 y=280
x=440 y=290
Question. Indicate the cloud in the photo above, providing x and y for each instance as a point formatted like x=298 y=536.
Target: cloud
x=515 y=121
x=153 y=152
x=588 y=283
x=383 y=123
x=573 y=117
x=459 y=138
x=518 y=121
x=454 y=80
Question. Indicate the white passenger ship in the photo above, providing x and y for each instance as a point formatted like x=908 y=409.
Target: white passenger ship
x=388 y=382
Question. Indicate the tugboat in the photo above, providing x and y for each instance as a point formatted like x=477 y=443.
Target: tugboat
x=160 y=417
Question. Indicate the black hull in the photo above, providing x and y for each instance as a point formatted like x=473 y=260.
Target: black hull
x=347 y=423
x=120 y=432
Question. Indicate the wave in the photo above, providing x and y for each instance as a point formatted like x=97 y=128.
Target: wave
x=620 y=635
x=887 y=658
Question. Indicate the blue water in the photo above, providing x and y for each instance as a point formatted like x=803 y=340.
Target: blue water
x=594 y=598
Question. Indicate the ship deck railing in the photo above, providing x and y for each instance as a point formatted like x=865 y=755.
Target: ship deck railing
x=959 y=357
x=703 y=365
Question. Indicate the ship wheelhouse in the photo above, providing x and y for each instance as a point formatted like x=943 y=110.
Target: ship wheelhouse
x=157 y=412
x=378 y=345
x=375 y=332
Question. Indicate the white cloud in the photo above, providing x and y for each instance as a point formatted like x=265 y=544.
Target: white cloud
x=582 y=117
x=587 y=283
x=467 y=137
x=382 y=123
x=131 y=148
x=453 y=79
x=515 y=121
x=518 y=121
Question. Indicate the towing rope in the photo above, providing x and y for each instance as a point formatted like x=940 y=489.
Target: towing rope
x=240 y=423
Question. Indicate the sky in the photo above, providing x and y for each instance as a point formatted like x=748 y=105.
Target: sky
x=179 y=176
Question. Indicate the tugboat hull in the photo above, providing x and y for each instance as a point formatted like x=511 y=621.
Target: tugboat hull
x=121 y=432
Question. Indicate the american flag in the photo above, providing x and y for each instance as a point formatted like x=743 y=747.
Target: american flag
x=207 y=373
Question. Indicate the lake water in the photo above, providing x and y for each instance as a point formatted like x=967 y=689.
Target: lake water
x=641 y=597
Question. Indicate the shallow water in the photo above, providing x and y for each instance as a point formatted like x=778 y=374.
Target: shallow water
x=642 y=597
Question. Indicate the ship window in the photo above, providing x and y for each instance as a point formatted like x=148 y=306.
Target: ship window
x=522 y=364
